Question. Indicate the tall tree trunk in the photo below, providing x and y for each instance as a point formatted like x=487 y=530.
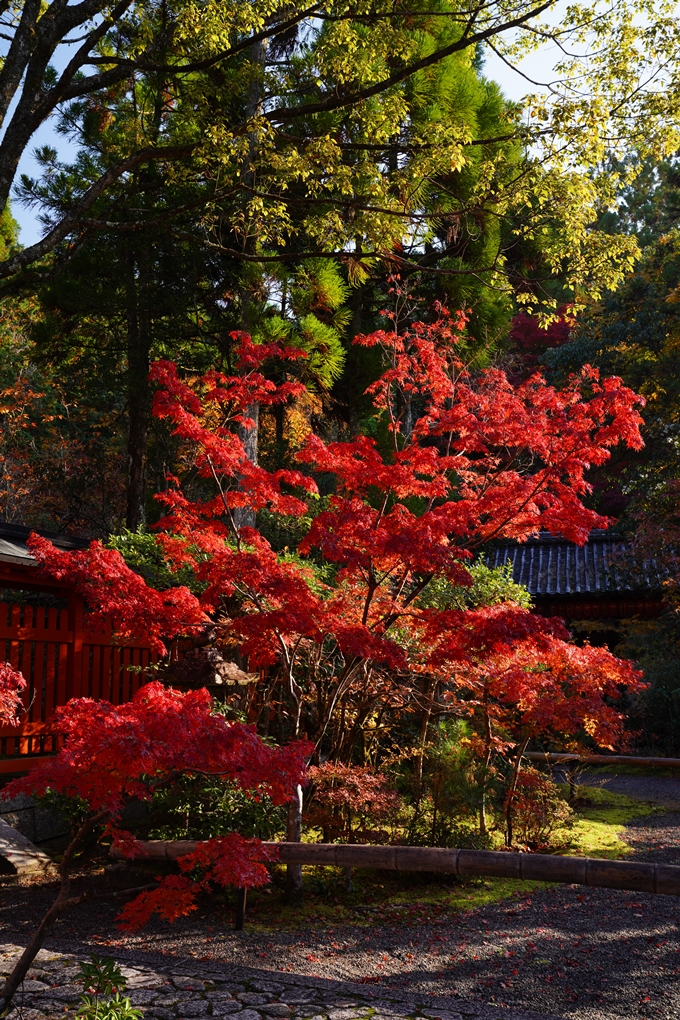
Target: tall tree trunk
x=138 y=358
x=354 y=355
x=244 y=517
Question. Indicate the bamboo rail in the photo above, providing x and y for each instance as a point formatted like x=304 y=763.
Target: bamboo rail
x=635 y=876
x=555 y=757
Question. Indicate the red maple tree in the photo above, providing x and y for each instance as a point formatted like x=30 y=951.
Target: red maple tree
x=468 y=459
x=114 y=754
x=519 y=677
x=11 y=684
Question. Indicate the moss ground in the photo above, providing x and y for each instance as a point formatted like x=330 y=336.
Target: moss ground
x=384 y=897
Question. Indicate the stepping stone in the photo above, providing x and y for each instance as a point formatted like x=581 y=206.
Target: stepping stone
x=20 y=857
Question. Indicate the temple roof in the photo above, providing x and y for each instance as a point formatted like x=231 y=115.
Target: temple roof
x=549 y=565
x=13 y=548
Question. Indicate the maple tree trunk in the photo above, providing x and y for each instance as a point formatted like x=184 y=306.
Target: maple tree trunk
x=62 y=903
x=487 y=762
x=513 y=786
x=424 y=726
x=293 y=834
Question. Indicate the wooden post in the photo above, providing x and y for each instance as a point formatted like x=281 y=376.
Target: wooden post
x=557 y=757
x=293 y=835
x=240 y=909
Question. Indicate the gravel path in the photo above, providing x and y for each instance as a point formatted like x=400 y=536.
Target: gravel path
x=567 y=951
x=658 y=789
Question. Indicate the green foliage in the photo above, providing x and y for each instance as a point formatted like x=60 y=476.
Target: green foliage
x=60 y=464
x=115 y=1007
x=649 y=205
x=323 y=346
x=635 y=333
x=451 y=790
x=104 y=984
x=142 y=553
x=313 y=318
x=9 y=232
x=197 y=807
x=490 y=586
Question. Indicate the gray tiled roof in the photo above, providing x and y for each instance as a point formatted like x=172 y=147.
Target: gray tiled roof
x=551 y=566
x=13 y=548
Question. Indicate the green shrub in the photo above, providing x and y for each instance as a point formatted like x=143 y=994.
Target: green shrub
x=104 y=985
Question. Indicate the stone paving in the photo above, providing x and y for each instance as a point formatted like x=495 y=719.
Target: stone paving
x=185 y=990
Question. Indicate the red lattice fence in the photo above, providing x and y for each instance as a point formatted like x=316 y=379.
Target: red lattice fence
x=60 y=659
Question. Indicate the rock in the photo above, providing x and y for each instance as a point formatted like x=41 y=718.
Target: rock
x=38 y=974
x=201 y=666
x=161 y=1014
x=138 y=980
x=29 y=985
x=195 y=1007
x=298 y=995
x=266 y=986
x=441 y=1015
x=225 y=1008
x=188 y=984
x=142 y=996
x=63 y=993
x=47 y=1006
x=254 y=998
x=20 y=857
x=249 y=1014
x=275 y=1009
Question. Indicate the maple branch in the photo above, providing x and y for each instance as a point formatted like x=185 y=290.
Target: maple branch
x=232 y=522
x=513 y=787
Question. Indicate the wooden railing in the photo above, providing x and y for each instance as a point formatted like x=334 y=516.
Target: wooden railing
x=558 y=758
x=635 y=876
x=60 y=659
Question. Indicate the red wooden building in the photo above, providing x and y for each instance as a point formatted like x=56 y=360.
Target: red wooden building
x=60 y=657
